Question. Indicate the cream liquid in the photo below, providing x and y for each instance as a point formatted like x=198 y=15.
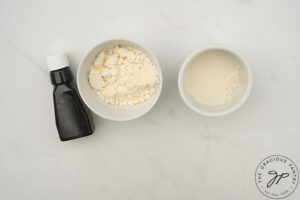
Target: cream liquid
x=213 y=77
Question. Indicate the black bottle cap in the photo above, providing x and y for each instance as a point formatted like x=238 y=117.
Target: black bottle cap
x=60 y=72
x=61 y=76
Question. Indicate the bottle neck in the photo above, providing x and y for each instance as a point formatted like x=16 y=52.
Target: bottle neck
x=61 y=76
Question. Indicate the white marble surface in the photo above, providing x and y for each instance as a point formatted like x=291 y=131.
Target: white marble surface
x=170 y=153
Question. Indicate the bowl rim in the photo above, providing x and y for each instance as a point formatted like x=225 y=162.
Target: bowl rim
x=156 y=64
x=201 y=50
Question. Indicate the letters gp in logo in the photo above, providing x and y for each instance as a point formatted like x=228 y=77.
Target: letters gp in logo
x=276 y=177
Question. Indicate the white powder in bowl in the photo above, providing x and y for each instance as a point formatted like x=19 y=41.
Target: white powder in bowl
x=123 y=76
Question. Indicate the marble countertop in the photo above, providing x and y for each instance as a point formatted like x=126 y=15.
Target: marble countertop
x=171 y=153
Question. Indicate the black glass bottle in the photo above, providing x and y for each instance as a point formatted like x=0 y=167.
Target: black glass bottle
x=73 y=119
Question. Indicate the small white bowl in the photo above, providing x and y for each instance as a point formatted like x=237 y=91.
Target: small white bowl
x=221 y=109
x=99 y=106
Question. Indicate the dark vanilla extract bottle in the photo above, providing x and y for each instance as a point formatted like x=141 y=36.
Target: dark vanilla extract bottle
x=73 y=119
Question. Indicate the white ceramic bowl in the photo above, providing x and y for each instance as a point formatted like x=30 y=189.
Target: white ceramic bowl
x=222 y=109
x=102 y=108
